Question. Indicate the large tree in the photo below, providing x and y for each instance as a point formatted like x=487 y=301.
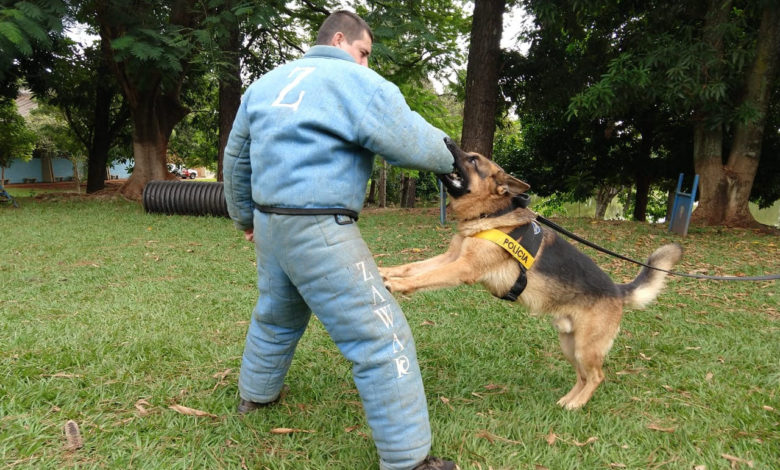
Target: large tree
x=482 y=72
x=154 y=48
x=726 y=189
x=572 y=153
x=711 y=62
x=79 y=82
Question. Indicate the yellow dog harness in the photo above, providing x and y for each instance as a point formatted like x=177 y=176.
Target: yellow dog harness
x=514 y=247
x=522 y=243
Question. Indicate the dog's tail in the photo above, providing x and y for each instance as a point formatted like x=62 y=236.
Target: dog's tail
x=645 y=288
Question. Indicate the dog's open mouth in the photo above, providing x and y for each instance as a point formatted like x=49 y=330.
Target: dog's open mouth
x=454 y=183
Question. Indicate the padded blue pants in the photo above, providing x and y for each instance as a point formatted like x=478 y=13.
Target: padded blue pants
x=315 y=264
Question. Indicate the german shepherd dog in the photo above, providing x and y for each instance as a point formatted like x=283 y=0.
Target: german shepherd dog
x=585 y=304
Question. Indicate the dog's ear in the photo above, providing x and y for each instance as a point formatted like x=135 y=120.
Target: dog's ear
x=512 y=185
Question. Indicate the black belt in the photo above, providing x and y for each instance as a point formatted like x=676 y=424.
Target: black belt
x=302 y=211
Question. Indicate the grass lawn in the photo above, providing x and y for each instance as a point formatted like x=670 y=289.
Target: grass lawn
x=112 y=317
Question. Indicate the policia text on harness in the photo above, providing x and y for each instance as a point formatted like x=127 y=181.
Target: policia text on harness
x=522 y=243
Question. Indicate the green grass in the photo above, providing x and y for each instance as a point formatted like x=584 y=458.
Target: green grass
x=109 y=316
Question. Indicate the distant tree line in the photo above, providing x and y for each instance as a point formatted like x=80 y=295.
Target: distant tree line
x=603 y=97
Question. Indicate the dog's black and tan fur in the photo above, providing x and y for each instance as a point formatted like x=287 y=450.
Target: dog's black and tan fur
x=585 y=304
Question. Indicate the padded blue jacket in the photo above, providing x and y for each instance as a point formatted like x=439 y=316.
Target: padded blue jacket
x=306 y=134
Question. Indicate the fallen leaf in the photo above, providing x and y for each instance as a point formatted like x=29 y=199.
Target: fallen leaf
x=655 y=427
x=427 y=323
x=123 y=422
x=63 y=375
x=222 y=375
x=495 y=387
x=551 y=438
x=139 y=405
x=288 y=430
x=709 y=376
x=590 y=440
x=645 y=357
x=191 y=411
x=617 y=465
x=700 y=467
x=446 y=401
x=734 y=460
x=768 y=408
x=351 y=428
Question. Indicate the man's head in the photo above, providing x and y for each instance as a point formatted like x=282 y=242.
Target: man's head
x=348 y=31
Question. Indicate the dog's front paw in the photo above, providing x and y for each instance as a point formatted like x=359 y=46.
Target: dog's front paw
x=384 y=272
x=388 y=272
x=397 y=286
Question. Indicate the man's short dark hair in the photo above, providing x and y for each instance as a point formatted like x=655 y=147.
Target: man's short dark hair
x=346 y=22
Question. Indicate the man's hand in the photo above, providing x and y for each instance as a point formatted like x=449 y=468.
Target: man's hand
x=249 y=234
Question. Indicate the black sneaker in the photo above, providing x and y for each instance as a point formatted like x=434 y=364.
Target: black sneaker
x=246 y=406
x=435 y=463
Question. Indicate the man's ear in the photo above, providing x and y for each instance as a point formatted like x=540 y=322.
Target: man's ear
x=336 y=39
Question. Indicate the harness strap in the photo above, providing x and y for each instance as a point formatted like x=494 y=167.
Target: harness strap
x=522 y=243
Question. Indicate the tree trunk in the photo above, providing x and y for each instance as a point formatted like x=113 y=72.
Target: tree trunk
x=411 y=194
x=372 y=192
x=155 y=109
x=229 y=89
x=484 y=62
x=643 y=176
x=408 y=191
x=47 y=172
x=745 y=152
x=76 y=177
x=97 y=157
x=708 y=139
x=404 y=188
x=604 y=196
x=627 y=201
x=153 y=122
x=642 y=196
x=383 y=184
x=708 y=163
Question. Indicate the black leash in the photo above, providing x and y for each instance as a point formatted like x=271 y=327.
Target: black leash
x=558 y=228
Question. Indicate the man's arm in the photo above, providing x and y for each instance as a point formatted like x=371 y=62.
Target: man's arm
x=237 y=172
x=401 y=136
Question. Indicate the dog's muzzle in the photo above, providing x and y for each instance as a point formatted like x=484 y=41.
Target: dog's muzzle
x=455 y=183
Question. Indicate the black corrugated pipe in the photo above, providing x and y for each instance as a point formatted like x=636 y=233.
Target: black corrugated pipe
x=185 y=198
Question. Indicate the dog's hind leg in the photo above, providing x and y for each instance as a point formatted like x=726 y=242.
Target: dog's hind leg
x=587 y=346
x=567 y=345
x=592 y=342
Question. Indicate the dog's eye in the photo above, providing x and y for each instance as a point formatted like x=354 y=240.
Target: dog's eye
x=473 y=160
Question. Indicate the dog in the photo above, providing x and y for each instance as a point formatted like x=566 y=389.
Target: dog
x=585 y=304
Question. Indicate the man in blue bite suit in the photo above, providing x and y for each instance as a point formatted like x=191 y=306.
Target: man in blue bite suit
x=296 y=167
